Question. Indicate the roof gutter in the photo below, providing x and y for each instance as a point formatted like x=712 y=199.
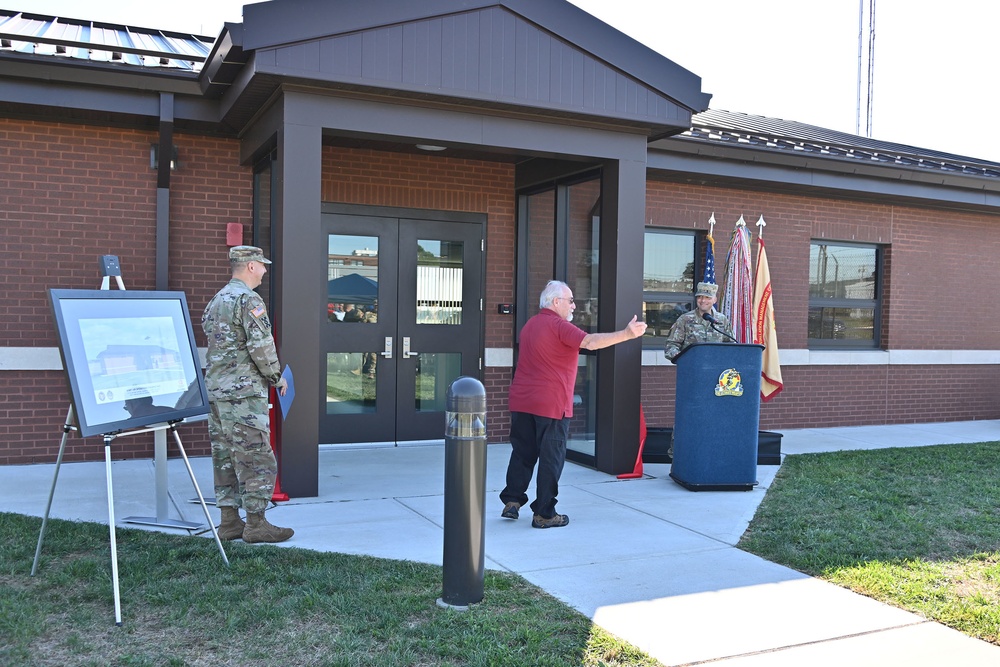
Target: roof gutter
x=691 y=160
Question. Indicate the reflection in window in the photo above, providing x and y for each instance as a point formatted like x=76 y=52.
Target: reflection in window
x=668 y=272
x=352 y=278
x=583 y=425
x=349 y=389
x=439 y=282
x=540 y=228
x=435 y=373
x=264 y=181
x=583 y=203
x=844 y=295
x=583 y=265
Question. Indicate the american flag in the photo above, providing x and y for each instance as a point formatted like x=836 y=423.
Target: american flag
x=709 y=276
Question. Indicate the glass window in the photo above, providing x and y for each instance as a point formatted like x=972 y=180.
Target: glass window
x=352 y=284
x=263 y=193
x=349 y=391
x=583 y=258
x=667 y=280
x=539 y=226
x=439 y=282
x=583 y=223
x=560 y=228
x=844 y=295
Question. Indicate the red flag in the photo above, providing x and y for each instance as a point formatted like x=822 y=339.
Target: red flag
x=764 y=331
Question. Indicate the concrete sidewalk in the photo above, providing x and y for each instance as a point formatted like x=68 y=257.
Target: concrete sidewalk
x=646 y=559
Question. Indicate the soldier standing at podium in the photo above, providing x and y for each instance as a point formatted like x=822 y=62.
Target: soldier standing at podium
x=692 y=327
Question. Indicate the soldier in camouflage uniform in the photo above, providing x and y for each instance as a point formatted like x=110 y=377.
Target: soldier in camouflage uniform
x=241 y=363
x=369 y=359
x=693 y=328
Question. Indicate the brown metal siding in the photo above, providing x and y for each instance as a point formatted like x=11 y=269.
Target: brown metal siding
x=489 y=54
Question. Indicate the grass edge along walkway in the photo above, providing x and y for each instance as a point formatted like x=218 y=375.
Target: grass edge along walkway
x=917 y=528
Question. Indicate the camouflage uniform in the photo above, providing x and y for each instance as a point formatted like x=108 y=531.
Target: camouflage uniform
x=241 y=363
x=692 y=328
x=369 y=359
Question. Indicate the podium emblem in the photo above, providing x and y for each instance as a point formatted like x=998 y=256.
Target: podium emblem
x=730 y=383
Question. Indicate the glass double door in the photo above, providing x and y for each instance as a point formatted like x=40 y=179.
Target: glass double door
x=403 y=320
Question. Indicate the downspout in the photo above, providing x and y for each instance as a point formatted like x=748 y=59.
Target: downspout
x=165 y=151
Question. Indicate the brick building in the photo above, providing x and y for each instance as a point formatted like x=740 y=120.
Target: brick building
x=494 y=145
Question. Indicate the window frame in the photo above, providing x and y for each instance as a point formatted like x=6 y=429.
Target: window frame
x=875 y=304
x=698 y=241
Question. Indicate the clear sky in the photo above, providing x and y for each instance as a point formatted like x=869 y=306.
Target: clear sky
x=935 y=82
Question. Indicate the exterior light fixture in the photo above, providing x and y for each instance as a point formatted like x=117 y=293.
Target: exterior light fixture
x=431 y=147
x=154 y=157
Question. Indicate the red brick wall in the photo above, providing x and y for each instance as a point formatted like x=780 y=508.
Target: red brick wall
x=210 y=190
x=825 y=396
x=933 y=258
x=71 y=193
x=361 y=176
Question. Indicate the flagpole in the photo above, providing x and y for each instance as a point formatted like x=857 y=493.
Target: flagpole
x=765 y=332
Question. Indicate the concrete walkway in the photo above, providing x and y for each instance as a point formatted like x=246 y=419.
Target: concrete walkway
x=646 y=559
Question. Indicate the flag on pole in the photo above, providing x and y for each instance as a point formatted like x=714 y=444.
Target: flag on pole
x=709 y=275
x=764 y=331
x=738 y=298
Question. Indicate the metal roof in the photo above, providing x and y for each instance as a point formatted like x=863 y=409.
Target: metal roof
x=782 y=136
x=80 y=40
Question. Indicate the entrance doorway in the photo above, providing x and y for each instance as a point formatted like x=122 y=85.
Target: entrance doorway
x=403 y=320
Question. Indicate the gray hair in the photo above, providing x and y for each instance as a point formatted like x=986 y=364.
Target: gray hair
x=552 y=291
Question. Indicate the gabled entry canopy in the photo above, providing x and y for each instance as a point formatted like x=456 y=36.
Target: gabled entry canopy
x=543 y=57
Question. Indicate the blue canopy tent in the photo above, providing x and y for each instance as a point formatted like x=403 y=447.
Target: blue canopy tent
x=352 y=288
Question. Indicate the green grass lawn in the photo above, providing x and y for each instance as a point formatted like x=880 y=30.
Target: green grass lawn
x=917 y=528
x=274 y=606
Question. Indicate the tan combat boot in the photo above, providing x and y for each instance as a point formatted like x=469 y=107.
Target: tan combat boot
x=260 y=529
x=232 y=525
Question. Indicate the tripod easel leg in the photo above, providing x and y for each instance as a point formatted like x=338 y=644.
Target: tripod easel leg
x=201 y=499
x=111 y=530
x=52 y=491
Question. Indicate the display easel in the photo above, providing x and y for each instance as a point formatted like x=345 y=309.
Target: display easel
x=111 y=268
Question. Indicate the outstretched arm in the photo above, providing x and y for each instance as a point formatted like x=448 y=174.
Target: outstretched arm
x=596 y=341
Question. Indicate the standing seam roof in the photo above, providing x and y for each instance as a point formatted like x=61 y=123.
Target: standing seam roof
x=774 y=134
x=81 y=40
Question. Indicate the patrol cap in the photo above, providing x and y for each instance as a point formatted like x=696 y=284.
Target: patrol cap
x=247 y=253
x=706 y=289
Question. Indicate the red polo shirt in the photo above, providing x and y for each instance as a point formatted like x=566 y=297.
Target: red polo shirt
x=546 y=366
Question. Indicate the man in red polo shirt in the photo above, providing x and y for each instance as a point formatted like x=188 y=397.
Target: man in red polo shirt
x=541 y=401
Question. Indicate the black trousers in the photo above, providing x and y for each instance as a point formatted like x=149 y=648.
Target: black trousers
x=540 y=440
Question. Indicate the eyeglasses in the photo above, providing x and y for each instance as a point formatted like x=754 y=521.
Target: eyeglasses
x=570 y=299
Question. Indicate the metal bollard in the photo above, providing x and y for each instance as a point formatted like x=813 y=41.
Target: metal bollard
x=464 y=494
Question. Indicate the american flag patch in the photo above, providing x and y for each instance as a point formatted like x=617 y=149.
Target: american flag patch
x=258 y=311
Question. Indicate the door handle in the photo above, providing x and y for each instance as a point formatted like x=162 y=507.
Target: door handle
x=387 y=352
x=407 y=352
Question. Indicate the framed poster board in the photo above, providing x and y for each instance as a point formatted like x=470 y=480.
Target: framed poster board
x=130 y=358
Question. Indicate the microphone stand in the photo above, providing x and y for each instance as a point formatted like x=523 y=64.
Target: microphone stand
x=711 y=322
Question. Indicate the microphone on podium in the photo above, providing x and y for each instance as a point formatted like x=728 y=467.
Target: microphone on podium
x=712 y=321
